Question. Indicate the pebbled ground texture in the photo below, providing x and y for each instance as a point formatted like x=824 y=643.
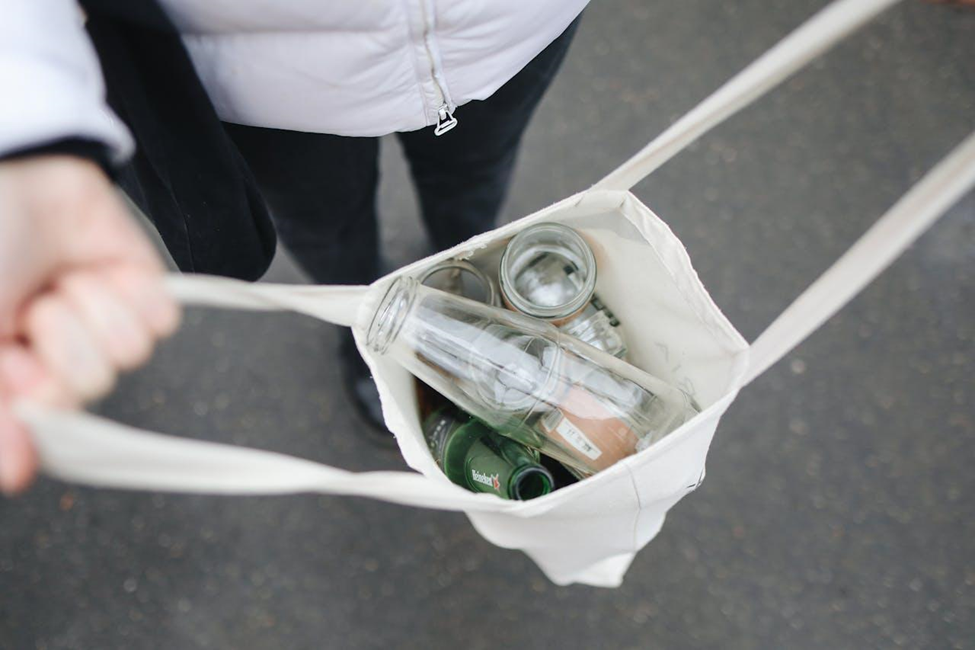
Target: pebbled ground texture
x=838 y=509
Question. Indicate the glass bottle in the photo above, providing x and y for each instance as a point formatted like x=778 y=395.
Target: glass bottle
x=460 y=278
x=524 y=378
x=475 y=457
x=549 y=271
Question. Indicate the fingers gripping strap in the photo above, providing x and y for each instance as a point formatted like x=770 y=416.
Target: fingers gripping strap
x=334 y=304
x=83 y=448
x=797 y=49
x=870 y=255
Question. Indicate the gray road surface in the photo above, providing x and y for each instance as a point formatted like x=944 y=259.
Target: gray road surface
x=838 y=511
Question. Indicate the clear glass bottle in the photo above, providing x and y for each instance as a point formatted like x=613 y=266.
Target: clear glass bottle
x=475 y=457
x=549 y=271
x=524 y=378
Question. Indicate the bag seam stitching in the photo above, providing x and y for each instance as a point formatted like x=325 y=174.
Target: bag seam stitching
x=711 y=326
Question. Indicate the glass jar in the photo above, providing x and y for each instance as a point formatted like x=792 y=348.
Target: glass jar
x=524 y=378
x=461 y=278
x=549 y=271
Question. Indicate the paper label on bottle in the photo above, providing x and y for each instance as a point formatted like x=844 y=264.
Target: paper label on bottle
x=575 y=437
x=589 y=430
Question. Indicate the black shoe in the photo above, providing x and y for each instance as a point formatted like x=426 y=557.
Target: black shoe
x=363 y=392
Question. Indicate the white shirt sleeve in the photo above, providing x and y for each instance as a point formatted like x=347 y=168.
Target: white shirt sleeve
x=51 y=84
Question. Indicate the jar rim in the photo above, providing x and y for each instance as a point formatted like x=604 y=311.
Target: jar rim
x=585 y=260
x=490 y=292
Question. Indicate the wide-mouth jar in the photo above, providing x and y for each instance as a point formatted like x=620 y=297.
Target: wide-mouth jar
x=548 y=271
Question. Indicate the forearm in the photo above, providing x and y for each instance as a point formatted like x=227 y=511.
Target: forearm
x=51 y=82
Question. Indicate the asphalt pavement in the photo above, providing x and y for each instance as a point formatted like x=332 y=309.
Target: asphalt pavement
x=839 y=505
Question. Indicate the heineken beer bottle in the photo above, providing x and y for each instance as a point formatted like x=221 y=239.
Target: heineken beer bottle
x=475 y=457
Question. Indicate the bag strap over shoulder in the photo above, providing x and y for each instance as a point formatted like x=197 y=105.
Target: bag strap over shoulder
x=808 y=41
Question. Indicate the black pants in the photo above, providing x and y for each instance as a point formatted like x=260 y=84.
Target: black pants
x=321 y=189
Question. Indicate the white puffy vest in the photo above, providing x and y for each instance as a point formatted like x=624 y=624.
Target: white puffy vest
x=347 y=67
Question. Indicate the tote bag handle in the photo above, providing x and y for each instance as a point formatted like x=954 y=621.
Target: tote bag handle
x=867 y=258
x=879 y=246
x=88 y=449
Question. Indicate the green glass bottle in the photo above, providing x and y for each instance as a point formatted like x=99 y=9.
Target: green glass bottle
x=475 y=457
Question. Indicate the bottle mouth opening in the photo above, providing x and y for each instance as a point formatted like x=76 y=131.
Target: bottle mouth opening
x=390 y=315
x=525 y=249
x=531 y=482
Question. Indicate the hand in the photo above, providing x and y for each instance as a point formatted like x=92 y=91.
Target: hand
x=81 y=295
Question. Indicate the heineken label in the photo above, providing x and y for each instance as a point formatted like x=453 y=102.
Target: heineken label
x=490 y=480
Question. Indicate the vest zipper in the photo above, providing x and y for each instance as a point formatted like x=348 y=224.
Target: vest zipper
x=445 y=117
x=445 y=120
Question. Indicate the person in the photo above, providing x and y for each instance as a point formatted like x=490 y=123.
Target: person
x=229 y=125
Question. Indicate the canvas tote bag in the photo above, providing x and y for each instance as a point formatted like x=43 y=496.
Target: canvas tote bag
x=588 y=532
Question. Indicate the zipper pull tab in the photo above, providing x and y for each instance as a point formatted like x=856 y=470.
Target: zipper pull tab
x=445 y=121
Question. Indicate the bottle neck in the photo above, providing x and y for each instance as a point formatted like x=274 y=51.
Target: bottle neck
x=501 y=466
x=391 y=314
x=530 y=481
